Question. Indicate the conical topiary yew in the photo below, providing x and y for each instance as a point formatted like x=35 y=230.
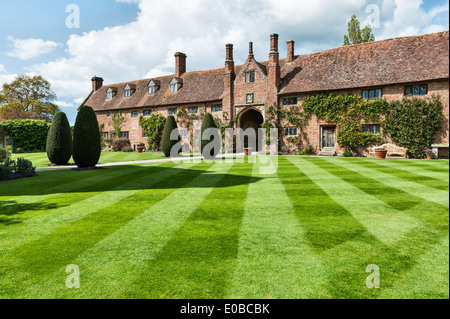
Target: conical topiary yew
x=166 y=143
x=59 y=140
x=208 y=122
x=86 y=138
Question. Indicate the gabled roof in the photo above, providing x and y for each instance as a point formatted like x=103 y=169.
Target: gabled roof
x=392 y=61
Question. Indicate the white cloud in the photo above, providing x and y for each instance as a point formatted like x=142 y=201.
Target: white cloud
x=26 y=49
x=201 y=28
x=2 y=68
x=63 y=104
x=407 y=17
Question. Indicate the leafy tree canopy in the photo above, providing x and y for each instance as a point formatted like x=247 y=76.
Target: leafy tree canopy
x=28 y=98
x=356 y=35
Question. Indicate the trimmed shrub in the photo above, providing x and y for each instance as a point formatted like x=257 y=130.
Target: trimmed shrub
x=208 y=122
x=24 y=167
x=86 y=138
x=59 y=140
x=29 y=135
x=127 y=149
x=119 y=144
x=4 y=154
x=348 y=154
x=166 y=142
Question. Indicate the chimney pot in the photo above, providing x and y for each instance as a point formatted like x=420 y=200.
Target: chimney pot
x=250 y=50
x=229 y=48
x=97 y=83
x=274 y=43
x=180 y=64
x=290 y=50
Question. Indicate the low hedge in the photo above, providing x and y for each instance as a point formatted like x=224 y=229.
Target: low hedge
x=29 y=135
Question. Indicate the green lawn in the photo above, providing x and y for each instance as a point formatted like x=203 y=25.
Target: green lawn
x=41 y=159
x=223 y=230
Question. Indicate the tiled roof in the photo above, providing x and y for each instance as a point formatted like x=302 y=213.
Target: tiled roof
x=392 y=61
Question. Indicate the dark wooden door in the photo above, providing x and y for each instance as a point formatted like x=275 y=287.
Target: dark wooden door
x=329 y=137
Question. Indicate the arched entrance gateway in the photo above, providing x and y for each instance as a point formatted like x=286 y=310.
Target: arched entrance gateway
x=251 y=118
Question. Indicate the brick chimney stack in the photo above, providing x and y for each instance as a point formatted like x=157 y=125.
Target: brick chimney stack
x=180 y=64
x=97 y=83
x=274 y=71
x=250 y=50
x=290 y=50
x=228 y=78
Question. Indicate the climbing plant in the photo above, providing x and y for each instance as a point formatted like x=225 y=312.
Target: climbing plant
x=414 y=122
x=153 y=127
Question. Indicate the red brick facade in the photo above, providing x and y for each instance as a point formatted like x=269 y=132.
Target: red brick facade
x=389 y=65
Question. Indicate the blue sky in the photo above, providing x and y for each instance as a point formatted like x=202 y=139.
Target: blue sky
x=124 y=40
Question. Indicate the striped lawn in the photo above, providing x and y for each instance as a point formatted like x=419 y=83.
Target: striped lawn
x=226 y=230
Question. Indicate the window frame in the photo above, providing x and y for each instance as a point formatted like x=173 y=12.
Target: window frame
x=170 y=110
x=290 y=98
x=105 y=135
x=147 y=113
x=216 y=108
x=191 y=110
x=250 y=76
x=124 y=134
x=375 y=131
x=108 y=114
x=151 y=89
x=287 y=132
x=419 y=87
x=370 y=96
x=247 y=98
x=134 y=114
x=184 y=133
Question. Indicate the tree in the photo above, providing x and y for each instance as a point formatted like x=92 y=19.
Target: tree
x=28 y=98
x=356 y=35
x=167 y=143
x=59 y=140
x=86 y=138
x=153 y=127
x=208 y=123
x=117 y=120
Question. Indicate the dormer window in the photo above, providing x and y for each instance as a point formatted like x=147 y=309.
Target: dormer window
x=250 y=76
x=111 y=93
x=129 y=90
x=175 y=85
x=153 y=86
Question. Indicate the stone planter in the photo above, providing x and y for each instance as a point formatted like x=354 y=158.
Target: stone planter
x=248 y=151
x=140 y=149
x=381 y=154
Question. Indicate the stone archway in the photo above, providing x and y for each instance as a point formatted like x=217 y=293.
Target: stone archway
x=251 y=118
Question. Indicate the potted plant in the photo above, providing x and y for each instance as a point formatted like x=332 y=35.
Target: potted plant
x=381 y=152
x=248 y=151
x=140 y=147
x=431 y=154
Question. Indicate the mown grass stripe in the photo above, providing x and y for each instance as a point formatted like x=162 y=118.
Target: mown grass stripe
x=197 y=261
x=426 y=167
x=51 y=182
x=408 y=175
x=395 y=184
x=78 y=205
x=56 y=250
x=343 y=244
x=380 y=219
x=274 y=259
x=430 y=271
x=119 y=259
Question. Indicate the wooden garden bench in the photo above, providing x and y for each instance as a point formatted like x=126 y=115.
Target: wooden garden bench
x=393 y=151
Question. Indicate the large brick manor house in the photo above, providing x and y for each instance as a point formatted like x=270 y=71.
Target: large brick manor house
x=392 y=69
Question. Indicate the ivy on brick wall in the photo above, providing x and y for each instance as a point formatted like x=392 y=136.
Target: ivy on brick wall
x=414 y=122
x=348 y=111
x=153 y=127
x=29 y=135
